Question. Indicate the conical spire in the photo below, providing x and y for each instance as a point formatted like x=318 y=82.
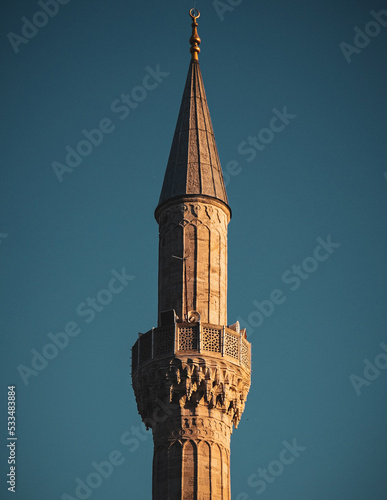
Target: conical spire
x=193 y=166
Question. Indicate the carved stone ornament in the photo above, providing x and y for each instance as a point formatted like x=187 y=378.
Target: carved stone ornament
x=191 y=384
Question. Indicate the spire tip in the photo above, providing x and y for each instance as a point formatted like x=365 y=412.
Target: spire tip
x=195 y=39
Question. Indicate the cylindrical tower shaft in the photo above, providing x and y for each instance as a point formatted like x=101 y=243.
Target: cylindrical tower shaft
x=192 y=465
x=193 y=259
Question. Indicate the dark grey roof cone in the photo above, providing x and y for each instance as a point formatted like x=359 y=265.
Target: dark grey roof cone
x=193 y=166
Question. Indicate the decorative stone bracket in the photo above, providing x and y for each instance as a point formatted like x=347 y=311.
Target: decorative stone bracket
x=187 y=383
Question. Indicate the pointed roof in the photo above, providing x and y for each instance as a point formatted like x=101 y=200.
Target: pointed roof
x=193 y=167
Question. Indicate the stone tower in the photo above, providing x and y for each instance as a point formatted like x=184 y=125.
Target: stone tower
x=191 y=374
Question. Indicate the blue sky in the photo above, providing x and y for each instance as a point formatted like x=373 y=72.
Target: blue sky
x=321 y=177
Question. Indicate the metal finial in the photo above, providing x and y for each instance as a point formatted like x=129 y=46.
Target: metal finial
x=194 y=40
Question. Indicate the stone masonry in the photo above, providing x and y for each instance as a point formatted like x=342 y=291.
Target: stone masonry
x=191 y=373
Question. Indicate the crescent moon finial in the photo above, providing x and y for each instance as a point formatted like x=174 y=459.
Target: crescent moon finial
x=195 y=39
x=194 y=13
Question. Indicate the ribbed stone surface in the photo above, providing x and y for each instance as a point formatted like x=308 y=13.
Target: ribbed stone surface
x=191 y=469
x=193 y=165
x=193 y=260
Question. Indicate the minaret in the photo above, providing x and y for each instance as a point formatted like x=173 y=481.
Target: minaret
x=191 y=374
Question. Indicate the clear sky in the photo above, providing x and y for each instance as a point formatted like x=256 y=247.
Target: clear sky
x=300 y=122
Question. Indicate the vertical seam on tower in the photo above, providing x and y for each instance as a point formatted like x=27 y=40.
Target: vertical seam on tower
x=220 y=274
x=195 y=77
x=210 y=466
x=179 y=136
x=207 y=132
x=221 y=470
x=209 y=276
x=195 y=263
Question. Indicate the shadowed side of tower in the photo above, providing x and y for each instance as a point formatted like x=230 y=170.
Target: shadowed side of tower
x=191 y=374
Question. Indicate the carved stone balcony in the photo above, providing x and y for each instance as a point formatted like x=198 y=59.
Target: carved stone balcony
x=192 y=338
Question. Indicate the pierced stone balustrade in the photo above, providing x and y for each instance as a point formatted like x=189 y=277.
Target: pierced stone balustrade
x=192 y=338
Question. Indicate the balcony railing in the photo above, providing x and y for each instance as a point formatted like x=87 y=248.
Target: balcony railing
x=192 y=338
